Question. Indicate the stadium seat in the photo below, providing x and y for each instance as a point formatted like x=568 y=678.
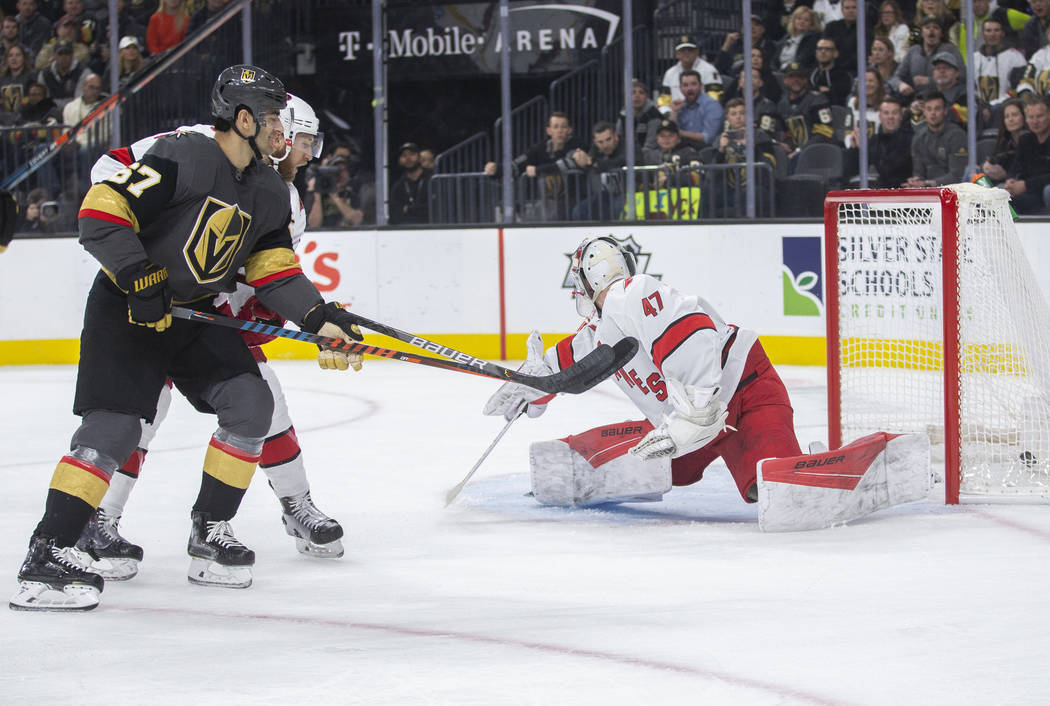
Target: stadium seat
x=821 y=159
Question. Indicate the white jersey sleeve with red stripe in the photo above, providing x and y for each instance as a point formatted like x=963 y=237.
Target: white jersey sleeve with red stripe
x=116 y=159
x=680 y=336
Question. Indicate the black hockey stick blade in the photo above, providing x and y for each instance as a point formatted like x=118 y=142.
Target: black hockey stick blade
x=587 y=372
x=579 y=377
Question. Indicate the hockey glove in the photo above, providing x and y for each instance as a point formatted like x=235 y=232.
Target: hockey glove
x=696 y=418
x=332 y=320
x=149 y=296
x=511 y=395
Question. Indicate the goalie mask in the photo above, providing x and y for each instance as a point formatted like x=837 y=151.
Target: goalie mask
x=597 y=263
x=298 y=118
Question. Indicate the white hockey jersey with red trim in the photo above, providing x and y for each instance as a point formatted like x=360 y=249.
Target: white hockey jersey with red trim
x=680 y=336
x=116 y=159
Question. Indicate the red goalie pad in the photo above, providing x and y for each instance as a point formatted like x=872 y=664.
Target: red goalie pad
x=842 y=468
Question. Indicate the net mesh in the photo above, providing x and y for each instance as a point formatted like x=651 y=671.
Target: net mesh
x=891 y=361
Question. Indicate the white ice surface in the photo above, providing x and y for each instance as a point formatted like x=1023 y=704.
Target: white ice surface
x=497 y=600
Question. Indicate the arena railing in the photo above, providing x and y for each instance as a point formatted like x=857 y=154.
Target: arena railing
x=577 y=93
x=527 y=123
x=467 y=156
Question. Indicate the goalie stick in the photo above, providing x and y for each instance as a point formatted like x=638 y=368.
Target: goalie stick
x=454 y=492
x=579 y=377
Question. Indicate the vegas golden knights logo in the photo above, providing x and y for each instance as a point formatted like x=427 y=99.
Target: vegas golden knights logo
x=798 y=130
x=988 y=86
x=247 y=75
x=215 y=239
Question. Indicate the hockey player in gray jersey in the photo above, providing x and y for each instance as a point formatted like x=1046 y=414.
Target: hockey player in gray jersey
x=174 y=227
x=105 y=549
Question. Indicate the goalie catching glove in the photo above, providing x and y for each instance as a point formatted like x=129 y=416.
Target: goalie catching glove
x=149 y=296
x=698 y=416
x=509 y=398
x=332 y=320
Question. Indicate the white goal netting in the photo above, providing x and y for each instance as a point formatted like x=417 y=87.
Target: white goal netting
x=892 y=303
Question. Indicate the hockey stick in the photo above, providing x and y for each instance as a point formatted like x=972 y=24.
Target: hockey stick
x=452 y=494
x=579 y=377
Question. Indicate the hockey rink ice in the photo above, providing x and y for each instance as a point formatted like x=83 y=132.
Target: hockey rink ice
x=497 y=600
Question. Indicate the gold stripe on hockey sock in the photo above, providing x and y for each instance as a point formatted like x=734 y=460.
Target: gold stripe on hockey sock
x=229 y=464
x=80 y=479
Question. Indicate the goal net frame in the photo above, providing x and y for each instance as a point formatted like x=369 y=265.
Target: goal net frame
x=882 y=222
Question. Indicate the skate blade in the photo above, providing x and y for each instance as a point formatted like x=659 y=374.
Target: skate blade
x=205 y=572
x=33 y=595
x=332 y=550
x=111 y=569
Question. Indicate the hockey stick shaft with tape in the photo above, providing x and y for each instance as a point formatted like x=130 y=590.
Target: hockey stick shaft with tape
x=579 y=377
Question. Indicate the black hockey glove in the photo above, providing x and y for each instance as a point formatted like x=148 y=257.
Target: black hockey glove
x=149 y=296
x=332 y=320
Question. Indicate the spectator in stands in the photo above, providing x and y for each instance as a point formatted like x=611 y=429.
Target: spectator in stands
x=932 y=8
x=142 y=10
x=548 y=158
x=339 y=208
x=602 y=165
x=938 y=150
x=730 y=58
x=844 y=34
x=765 y=109
x=64 y=76
x=915 y=72
x=1030 y=187
x=129 y=57
x=647 y=118
x=997 y=68
x=410 y=194
x=829 y=77
x=39 y=108
x=892 y=27
x=731 y=148
x=1036 y=77
x=800 y=44
x=880 y=58
x=1004 y=155
x=803 y=115
x=827 y=11
x=78 y=109
x=699 y=116
x=33 y=28
x=1009 y=20
x=778 y=15
x=9 y=35
x=770 y=85
x=167 y=26
x=84 y=23
x=426 y=158
x=1034 y=34
x=889 y=147
x=947 y=82
x=67 y=32
x=15 y=73
x=203 y=16
x=876 y=92
x=689 y=59
x=670 y=150
x=127 y=26
x=29 y=216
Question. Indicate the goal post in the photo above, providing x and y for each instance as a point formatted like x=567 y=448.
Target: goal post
x=936 y=324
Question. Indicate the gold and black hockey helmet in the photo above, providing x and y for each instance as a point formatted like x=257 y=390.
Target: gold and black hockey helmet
x=248 y=86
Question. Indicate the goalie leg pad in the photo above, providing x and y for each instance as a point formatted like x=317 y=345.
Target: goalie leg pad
x=594 y=468
x=831 y=488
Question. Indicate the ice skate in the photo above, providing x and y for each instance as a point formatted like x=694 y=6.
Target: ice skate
x=316 y=534
x=52 y=578
x=217 y=557
x=105 y=551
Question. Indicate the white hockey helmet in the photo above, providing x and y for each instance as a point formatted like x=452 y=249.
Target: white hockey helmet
x=598 y=262
x=299 y=118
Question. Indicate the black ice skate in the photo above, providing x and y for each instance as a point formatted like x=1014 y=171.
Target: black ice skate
x=52 y=578
x=105 y=551
x=217 y=558
x=316 y=534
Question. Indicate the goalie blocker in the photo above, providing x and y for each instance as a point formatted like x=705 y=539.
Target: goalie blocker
x=805 y=492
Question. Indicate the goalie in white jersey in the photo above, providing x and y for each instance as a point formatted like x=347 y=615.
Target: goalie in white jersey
x=315 y=533
x=707 y=390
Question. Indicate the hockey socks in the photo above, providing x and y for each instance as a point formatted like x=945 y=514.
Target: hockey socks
x=228 y=468
x=121 y=484
x=77 y=486
x=282 y=462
